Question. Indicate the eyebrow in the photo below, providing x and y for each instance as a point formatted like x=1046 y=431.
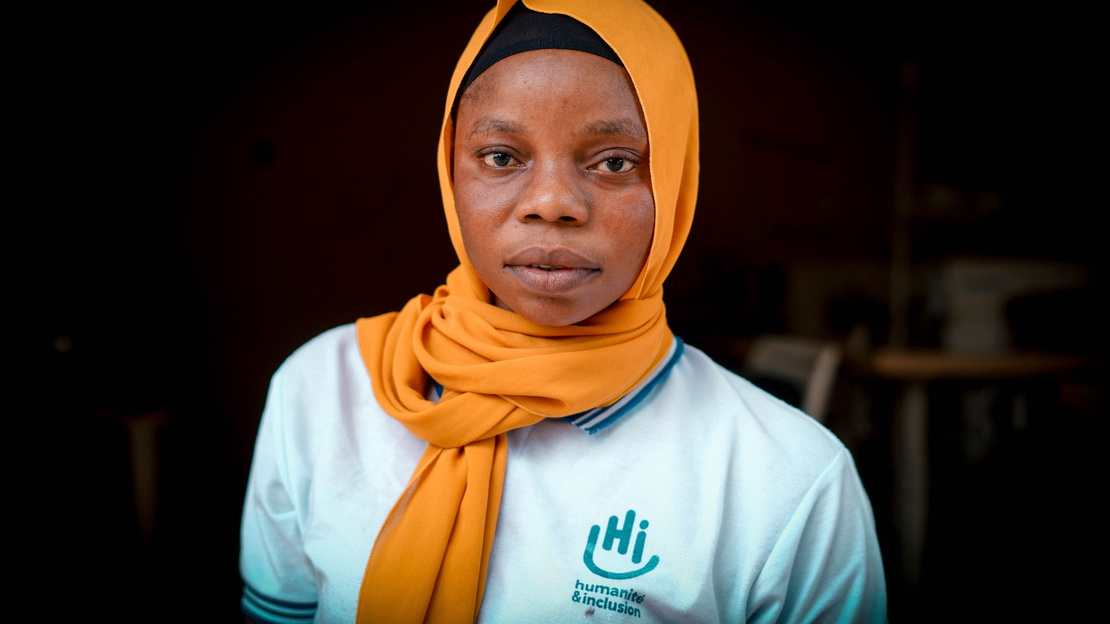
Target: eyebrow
x=616 y=127
x=622 y=127
x=487 y=125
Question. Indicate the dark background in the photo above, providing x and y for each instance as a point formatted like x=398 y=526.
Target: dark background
x=207 y=187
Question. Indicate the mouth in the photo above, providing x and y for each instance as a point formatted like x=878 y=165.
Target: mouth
x=551 y=271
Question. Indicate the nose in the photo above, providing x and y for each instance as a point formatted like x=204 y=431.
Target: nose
x=554 y=194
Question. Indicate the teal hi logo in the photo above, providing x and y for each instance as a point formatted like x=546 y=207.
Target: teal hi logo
x=622 y=538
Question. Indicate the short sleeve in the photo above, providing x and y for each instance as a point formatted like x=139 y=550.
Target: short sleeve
x=279 y=583
x=826 y=566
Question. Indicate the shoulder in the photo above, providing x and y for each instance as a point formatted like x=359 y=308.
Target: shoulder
x=322 y=394
x=327 y=363
x=325 y=349
x=737 y=412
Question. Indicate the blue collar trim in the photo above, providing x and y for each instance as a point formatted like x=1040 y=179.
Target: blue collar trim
x=592 y=421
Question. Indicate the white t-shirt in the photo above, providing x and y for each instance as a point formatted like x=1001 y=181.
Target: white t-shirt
x=697 y=498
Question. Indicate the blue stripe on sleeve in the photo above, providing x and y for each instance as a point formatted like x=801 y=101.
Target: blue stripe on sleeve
x=268 y=610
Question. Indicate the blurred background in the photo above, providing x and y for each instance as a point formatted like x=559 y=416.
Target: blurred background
x=207 y=187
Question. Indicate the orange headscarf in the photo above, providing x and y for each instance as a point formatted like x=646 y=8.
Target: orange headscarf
x=500 y=371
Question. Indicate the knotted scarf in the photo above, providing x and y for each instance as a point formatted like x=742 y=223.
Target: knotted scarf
x=500 y=371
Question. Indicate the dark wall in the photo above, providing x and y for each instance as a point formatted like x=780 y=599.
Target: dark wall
x=208 y=187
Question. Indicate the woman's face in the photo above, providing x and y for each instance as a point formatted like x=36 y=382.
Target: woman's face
x=552 y=184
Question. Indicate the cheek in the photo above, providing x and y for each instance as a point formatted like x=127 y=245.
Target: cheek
x=469 y=203
x=474 y=232
x=637 y=228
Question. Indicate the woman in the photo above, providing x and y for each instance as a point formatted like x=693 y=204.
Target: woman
x=532 y=443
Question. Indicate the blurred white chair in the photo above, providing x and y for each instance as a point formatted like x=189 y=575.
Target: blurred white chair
x=807 y=366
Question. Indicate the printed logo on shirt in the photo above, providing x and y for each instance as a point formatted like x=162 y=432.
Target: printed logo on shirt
x=596 y=596
x=622 y=538
x=615 y=564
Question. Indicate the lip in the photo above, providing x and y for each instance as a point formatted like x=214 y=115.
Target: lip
x=551 y=271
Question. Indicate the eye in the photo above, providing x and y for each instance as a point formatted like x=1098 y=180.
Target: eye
x=624 y=163
x=497 y=159
x=617 y=165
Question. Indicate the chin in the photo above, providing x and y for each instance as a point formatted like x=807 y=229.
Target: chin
x=555 y=320
x=553 y=314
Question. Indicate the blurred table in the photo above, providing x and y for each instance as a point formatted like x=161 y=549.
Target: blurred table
x=930 y=364
x=914 y=369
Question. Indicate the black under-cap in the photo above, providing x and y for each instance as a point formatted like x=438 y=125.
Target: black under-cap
x=524 y=29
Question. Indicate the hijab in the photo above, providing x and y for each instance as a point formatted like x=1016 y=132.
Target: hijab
x=498 y=370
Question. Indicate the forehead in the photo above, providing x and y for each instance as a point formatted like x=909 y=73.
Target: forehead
x=554 y=79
